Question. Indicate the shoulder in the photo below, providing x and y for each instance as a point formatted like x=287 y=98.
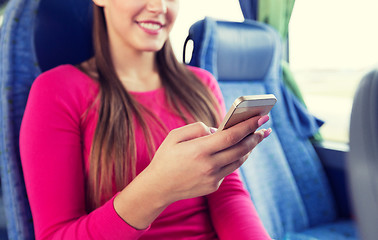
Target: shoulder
x=64 y=76
x=64 y=83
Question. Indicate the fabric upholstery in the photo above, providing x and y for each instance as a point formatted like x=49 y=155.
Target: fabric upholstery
x=290 y=195
x=362 y=164
x=27 y=47
x=54 y=20
x=283 y=174
x=341 y=230
x=18 y=68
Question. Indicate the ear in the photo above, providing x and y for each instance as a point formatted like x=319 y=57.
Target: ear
x=100 y=3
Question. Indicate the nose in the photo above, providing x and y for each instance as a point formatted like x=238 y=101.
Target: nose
x=157 y=6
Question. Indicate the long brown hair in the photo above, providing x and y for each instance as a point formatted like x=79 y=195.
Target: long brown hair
x=113 y=151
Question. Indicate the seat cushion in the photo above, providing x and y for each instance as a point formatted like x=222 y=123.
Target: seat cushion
x=340 y=230
x=267 y=175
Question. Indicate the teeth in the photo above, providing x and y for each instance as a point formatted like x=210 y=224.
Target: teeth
x=150 y=26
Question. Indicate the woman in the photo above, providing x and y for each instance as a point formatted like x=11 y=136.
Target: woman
x=123 y=145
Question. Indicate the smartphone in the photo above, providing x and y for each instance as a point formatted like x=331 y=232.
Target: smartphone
x=245 y=107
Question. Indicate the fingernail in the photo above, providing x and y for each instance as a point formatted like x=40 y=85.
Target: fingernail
x=262 y=120
x=213 y=130
x=267 y=132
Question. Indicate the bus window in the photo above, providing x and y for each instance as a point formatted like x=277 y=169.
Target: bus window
x=332 y=44
x=194 y=10
x=2 y=8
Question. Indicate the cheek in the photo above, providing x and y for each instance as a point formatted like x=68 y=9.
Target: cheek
x=118 y=15
x=123 y=10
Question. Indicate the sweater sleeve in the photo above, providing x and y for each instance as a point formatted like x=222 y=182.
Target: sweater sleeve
x=232 y=211
x=52 y=160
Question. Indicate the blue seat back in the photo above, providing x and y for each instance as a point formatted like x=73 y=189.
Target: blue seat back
x=363 y=155
x=283 y=175
x=63 y=32
x=35 y=36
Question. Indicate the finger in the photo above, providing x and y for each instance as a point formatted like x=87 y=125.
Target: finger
x=267 y=132
x=230 y=168
x=238 y=151
x=231 y=136
x=188 y=132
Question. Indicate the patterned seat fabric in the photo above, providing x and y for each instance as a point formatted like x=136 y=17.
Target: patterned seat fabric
x=17 y=71
x=283 y=175
x=35 y=36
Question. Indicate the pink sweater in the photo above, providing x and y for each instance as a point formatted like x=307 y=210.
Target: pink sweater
x=55 y=142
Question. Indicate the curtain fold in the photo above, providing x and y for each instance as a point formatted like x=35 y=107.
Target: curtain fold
x=277 y=14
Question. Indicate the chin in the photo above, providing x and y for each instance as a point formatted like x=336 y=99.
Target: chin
x=153 y=49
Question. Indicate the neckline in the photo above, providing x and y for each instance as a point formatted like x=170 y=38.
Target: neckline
x=149 y=92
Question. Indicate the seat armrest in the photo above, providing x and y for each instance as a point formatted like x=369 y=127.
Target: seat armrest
x=333 y=157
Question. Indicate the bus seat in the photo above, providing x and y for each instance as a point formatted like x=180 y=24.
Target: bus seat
x=283 y=175
x=35 y=36
x=362 y=161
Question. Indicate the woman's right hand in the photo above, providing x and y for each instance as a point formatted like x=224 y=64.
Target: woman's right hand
x=192 y=161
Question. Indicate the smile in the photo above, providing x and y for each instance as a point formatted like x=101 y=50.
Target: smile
x=150 y=26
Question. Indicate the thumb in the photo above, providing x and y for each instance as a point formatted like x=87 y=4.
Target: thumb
x=190 y=132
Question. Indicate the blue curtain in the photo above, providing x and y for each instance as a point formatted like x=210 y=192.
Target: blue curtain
x=249 y=8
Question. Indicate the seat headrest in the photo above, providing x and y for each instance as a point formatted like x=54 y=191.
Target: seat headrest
x=241 y=46
x=63 y=32
x=239 y=50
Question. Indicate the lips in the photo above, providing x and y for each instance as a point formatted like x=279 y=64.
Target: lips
x=150 y=26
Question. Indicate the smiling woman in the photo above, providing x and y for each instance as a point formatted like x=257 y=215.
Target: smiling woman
x=118 y=140
x=138 y=26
